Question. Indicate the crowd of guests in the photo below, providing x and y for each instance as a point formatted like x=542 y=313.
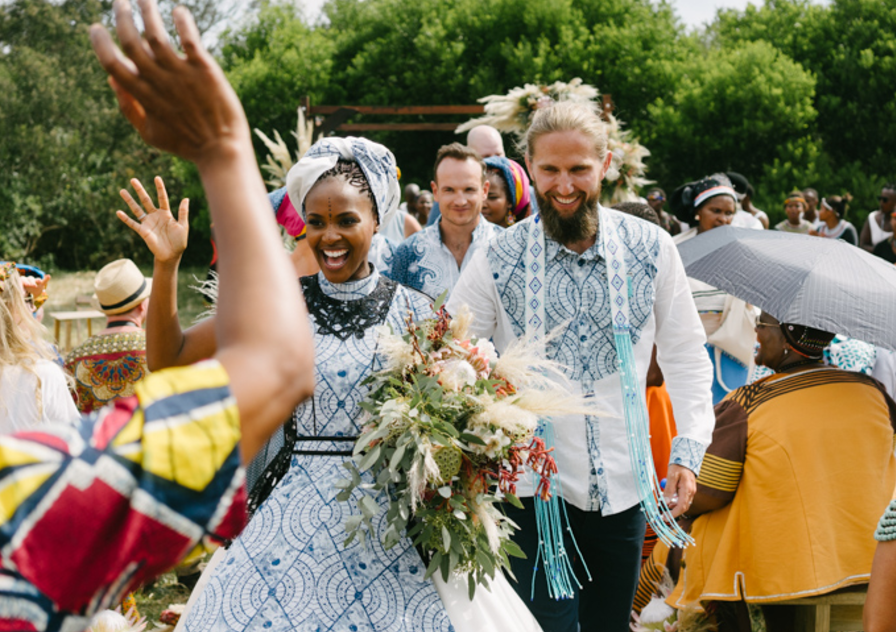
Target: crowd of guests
x=786 y=502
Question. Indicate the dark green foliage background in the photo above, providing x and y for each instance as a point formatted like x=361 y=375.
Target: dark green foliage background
x=789 y=94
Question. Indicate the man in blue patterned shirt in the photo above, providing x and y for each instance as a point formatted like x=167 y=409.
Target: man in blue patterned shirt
x=567 y=157
x=432 y=260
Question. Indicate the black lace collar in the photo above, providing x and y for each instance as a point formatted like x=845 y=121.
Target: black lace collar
x=344 y=319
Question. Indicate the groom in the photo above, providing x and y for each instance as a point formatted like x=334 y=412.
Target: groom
x=567 y=157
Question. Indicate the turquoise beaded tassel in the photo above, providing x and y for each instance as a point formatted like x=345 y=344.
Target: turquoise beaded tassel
x=637 y=425
x=551 y=548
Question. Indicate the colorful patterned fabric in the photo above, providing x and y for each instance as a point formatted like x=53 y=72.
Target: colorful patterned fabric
x=90 y=513
x=106 y=367
x=850 y=354
x=517 y=183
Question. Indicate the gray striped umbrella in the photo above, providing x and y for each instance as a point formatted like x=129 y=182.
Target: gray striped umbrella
x=823 y=283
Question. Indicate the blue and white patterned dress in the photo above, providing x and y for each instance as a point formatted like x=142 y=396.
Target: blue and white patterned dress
x=289 y=569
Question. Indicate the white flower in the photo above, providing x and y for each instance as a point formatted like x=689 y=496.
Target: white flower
x=486 y=349
x=456 y=374
x=506 y=416
x=495 y=441
x=399 y=354
x=393 y=410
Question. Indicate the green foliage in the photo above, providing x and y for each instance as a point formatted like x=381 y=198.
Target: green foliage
x=65 y=149
x=734 y=109
x=792 y=93
x=849 y=48
x=273 y=64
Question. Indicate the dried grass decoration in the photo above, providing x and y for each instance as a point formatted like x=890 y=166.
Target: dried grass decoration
x=512 y=113
x=450 y=430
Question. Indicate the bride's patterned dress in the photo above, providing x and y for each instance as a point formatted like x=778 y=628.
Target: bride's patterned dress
x=289 y=569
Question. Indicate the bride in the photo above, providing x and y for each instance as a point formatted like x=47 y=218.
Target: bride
x=289 y=569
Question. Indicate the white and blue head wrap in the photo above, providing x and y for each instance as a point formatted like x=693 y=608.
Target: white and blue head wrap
x=377 y=163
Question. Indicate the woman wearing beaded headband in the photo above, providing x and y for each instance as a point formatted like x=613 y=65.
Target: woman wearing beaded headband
x=33 y=388
x=727 y=321
x=798 y=472
x=833 y=224
x=795 y=205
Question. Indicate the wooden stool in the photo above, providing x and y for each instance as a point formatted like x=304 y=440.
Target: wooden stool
x=834 y=612
x=77 y=317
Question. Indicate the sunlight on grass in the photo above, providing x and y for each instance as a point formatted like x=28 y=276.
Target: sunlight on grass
x=71 y=291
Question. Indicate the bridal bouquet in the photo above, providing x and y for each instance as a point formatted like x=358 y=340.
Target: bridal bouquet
x=451 y=429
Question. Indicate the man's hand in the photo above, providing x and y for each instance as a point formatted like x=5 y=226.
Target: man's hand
x=165 y=236
x=182 y=104
x=681 y=486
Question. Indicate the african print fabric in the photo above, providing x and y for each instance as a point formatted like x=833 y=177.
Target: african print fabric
x=424 y=263
x=90 y=513
x=290 y=570
x=106 y=367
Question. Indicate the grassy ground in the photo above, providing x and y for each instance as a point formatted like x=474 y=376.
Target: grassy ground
x=68 y=287
x=65 y=288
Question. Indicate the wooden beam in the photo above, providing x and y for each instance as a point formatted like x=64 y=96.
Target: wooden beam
x=398 y=127
x=400 y=110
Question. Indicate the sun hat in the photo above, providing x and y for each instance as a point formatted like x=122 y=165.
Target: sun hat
x=120 y=287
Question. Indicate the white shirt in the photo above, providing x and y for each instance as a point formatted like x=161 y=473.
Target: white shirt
x=743 y=219
x=592 y=452
x=19 y=395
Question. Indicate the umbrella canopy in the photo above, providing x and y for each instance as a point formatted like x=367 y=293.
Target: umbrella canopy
x=823 y=283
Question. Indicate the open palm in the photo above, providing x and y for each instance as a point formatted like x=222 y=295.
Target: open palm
x=165 y=236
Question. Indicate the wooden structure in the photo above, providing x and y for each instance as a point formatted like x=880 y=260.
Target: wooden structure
x=334 y=118
x=834 y=612
x=76 y=317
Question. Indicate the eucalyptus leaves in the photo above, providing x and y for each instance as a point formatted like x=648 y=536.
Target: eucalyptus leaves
x=451 y=429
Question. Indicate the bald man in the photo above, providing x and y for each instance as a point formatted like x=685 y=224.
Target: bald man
x=486 y=141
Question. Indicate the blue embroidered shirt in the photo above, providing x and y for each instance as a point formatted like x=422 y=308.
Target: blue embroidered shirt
x=592 y=451
x=424 y=263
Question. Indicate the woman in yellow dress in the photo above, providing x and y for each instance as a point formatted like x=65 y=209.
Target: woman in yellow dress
x=800 y=469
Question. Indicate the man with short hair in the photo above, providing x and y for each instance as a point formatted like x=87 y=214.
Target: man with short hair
x=108 y=365
x=431 y=261
x=486 y=141
x=606 y=286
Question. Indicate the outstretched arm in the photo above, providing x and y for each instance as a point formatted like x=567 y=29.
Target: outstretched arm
x=167 y=344
x=183 y=104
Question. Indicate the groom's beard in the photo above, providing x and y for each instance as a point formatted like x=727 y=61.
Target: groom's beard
x=579 y=226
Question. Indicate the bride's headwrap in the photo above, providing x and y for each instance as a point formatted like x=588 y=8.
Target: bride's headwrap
x=376 y=162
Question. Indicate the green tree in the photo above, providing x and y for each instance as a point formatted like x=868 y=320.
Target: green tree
x=743 y=109
x=65 y=149
x=848 y=46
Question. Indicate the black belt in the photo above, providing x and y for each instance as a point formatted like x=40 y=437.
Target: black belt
x=324 y=452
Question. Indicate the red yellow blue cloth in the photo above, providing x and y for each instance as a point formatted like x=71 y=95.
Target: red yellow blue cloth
x=90 y=513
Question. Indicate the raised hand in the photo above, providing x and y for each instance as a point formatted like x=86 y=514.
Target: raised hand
x=165 y=236
x=179 y=103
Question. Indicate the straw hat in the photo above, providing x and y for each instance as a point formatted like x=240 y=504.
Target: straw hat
x=120 y=287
